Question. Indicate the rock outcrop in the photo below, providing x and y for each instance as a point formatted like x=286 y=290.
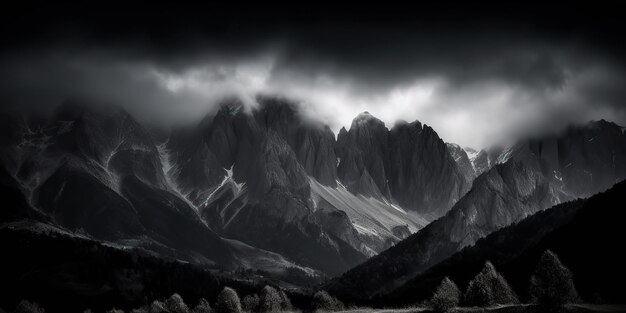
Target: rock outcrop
x=408 y=165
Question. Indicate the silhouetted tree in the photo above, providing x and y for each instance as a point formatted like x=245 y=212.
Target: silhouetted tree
x=269 y=300
x=489 y=288
x=143 y=309
x=158 y=307
x=28 y=307
x=322 y=301
x=285 y=302
x=446 y=296
x=228 y=301
x=552 y=284
x=203 y=306
x=251 y=303
x=175 y=304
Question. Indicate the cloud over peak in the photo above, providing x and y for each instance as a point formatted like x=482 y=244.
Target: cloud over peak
x=478 y=78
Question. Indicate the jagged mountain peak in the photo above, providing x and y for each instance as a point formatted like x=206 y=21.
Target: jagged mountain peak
x=277 y=153
x=365 y=119
x=462 y=160
x=454 y=145
x=232 y=106
x=402 y=124
x=470 y=150
x=604 y=124
x=517 y=181
x=403 y=165
x=364 y=115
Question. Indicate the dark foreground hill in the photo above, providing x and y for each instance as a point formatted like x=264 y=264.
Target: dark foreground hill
x=69 y=274
x=585 y=234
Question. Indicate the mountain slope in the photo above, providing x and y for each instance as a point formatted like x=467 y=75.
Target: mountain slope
x=97 y=172
x=68 y=273
x=490 y=204
x=581 y=232
x=312 y=142
x=15 y=206
x=379 y=224
x=285 y=173
x=524 y=184
x=239 y=175
x=263 y=195
x=463 y=161
x=585 y=159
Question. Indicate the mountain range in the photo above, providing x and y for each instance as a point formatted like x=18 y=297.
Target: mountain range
x=268 y=188
x=528 y=177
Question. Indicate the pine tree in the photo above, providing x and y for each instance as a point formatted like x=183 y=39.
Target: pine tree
x=203 y=306
x=270 y=300
x=322 y=301
x=446 y=296
x=489 y=288
x=228 y=301
x=552 y=284
x=158 y=307
x=175 y=304
x=251 y=303
x=285 y=302
x=28 y=307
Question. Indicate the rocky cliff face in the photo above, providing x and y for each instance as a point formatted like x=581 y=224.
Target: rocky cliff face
x=528 y=180
x=264 y=197
x=277 y=156
x=409 y=165
x=191 y=167
x=423 y=177
x=311 y=141
x=362 y=152
x=462 y=161
x=97 y=172
x=265 y=178
x=487 y=158
x=585 y=160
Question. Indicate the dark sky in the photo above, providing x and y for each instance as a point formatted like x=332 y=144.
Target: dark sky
x=479 y=74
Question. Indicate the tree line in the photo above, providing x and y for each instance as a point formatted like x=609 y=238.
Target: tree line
x=551 y=286
x=270 y=299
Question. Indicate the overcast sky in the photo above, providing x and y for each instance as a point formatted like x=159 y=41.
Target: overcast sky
x=479 y=75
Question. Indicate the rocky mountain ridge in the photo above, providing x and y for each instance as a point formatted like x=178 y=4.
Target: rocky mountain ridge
x=266 y=179
x=529 y=177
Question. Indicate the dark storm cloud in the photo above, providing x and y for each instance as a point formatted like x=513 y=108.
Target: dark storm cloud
x=456 y=68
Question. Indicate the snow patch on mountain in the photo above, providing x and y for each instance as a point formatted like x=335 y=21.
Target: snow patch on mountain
x=366 y=231
x=230 y=197
x=166 y=165
x=228 y=180
x=378 y=220
x=506 y=154
x=471 y=153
